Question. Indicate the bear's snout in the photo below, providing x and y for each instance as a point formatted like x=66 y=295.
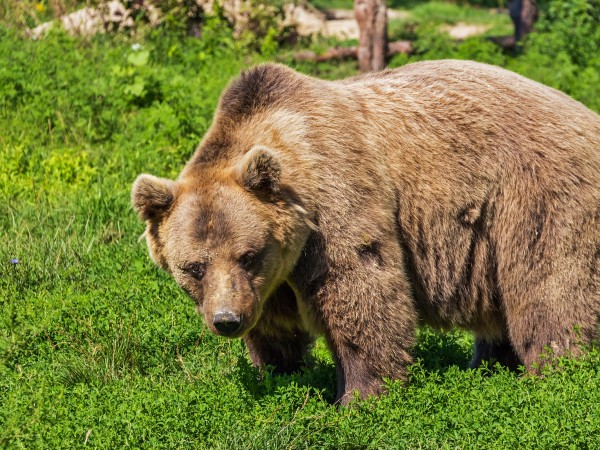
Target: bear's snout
x=227 y=323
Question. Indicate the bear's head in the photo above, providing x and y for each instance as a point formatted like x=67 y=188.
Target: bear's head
x=229 y=233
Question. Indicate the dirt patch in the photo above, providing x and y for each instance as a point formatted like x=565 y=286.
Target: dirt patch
x=463 y=30
x=335 y=23
x=341 y=24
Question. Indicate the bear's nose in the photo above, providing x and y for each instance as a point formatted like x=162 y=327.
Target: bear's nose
x=226 y=322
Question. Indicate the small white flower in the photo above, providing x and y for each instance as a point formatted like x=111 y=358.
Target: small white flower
x=135 y=47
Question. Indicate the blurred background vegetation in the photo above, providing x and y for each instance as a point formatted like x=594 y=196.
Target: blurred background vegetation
x=100 y=348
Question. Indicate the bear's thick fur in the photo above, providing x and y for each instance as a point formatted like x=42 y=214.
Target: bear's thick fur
x=450 y=193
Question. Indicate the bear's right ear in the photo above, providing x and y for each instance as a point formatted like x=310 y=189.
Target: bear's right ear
x=151 y=196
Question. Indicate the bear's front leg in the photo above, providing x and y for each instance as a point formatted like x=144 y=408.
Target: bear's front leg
x=370 y=324
x=279 y=340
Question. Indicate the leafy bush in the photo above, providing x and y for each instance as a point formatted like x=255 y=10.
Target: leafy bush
x=564 y=52
x=571 y=27
x=100 y=348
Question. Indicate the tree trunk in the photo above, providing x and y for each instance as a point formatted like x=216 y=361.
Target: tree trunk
x=523 y=14
x=528 y=16
x=371 y=16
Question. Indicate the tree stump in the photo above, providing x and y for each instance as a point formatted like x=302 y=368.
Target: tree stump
x=371 y=16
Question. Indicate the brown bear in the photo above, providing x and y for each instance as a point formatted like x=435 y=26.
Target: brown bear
x=448 y=193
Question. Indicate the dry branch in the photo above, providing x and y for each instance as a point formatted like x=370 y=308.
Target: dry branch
x=351 y=52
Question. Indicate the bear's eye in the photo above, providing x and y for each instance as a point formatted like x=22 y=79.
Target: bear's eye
x=196 y=269
x=247 y=260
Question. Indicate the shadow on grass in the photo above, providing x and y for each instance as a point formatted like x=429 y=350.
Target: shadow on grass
x=316 y=375
x=437 y=351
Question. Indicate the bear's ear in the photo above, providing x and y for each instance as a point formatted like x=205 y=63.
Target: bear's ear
x=151 y=196
x=259 y=171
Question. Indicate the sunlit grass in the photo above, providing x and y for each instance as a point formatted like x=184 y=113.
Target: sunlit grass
x=100 y=348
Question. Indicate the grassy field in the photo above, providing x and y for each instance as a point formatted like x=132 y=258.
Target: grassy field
x=99 y=348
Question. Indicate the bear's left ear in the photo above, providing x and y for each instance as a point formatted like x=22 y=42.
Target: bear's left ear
x=259 y=171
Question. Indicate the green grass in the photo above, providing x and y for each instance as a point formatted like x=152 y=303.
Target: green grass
x=436 y=14
x=333 y=4
x=404 y=4
x=99 y=348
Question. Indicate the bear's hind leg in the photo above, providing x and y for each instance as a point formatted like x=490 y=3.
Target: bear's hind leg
x=551 y=318
x=539 y=334
x=500 y=351
x=548 y=271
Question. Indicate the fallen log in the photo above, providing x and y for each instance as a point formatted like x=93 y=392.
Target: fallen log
x=351 y=52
